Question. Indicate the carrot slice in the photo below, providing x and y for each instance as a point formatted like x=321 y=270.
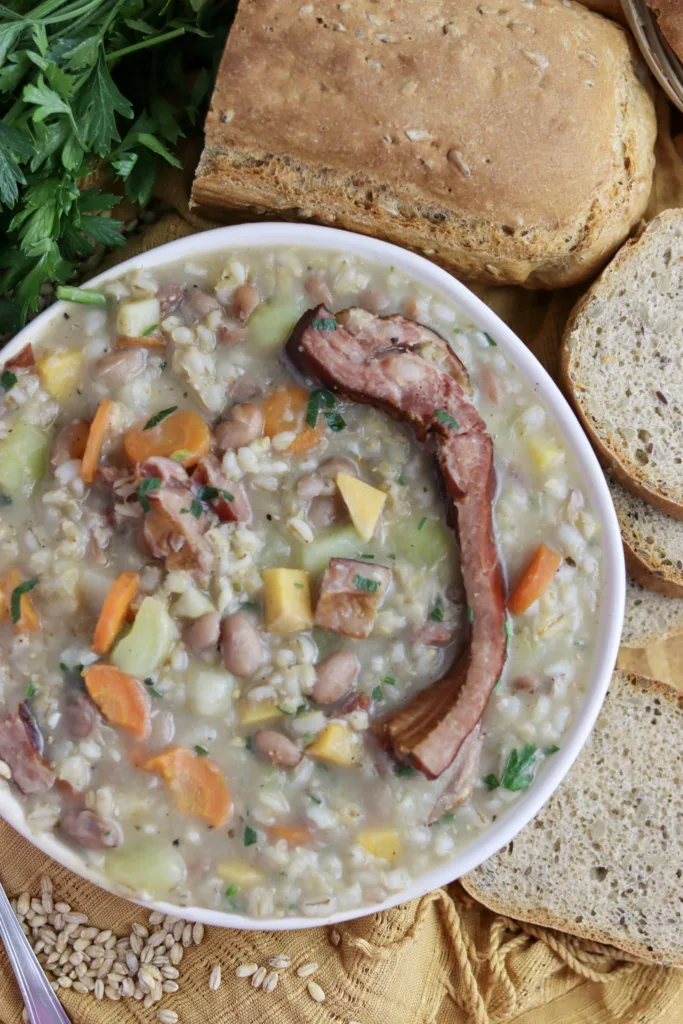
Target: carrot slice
x=29 y=621
x=114 y=611
x=286 y=410
x=121 y=698
x=150 y=341
x=96 y=435
x=294 y=835
x=181 y=432
x=197 y=784
x=535 y=580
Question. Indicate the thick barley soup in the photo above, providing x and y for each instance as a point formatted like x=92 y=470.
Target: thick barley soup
x=298 y=585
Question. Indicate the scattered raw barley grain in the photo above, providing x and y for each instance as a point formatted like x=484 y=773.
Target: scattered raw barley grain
x=315 y=992
x=306 y=970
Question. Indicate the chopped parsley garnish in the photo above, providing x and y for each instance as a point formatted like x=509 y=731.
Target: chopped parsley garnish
x=210 y=493
x=318 y=400
x=200 y=751
x=389 y=680
x=363 y=583
x=250 y=836
x=8 y=380
x=162 y=366
x=324 y=324
x=314 y=798
x=31 y=690
x=490 y=340
x=420 y=525
x=86 y=296
x=299 y=586
x=392 y=556
x=155 y=420
x=518 y=772
x=470 y=614
x=232 y=890
x=445 y=417
x=552 y=749
x=400 y=481
x=150 y=330
x=180 y=454
x=5 y=499
x=378 y=693
x=249 y=743
x=436 y=614
x=581 y=644
x=335 y=421
x=149 y=683
x=446 y=818
x=508 y=629
x=196 y=508
x=405 y=769
x=17 y=594
x=367 y=556
x=150 y=483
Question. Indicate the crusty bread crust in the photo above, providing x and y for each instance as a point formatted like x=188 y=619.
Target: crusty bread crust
x=669 y=15
x=613 y=455
x=510 y=146
x=475 y=882
x=652 y=579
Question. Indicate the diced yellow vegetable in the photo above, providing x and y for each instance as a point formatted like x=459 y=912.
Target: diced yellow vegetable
x=142 y=651
x=254 y=714
x=237 y=872
x=337 y=744
x=135 y=318
x=23 y=460
x=287 y=600
x=365 y=503
x=60 y=373
x=544 y=454
x=381 y=842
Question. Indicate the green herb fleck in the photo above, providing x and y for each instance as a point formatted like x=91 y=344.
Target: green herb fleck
x=31 y=690
x=445 y=417
x=324 y=324
x=367 y=556
x=17 y=594
x=552 y=749
x=249 y=743
x=196 y=508
x=518 y=772
x=211 y=493
x=444 y=819
x=363 y=583
x=86 y=296
x=200 y=751
x=436 y=614
x=581 y=644
x=470 y=614
x=335 y=421
x=150 y=330
x=250 y=836
x=232 y=890
x=422 y=522
x=8 y=380
x=299 y=586
x=317 y=401
x=389 y=680
x=508 y=629
x=400 y=481
x=378 y=693
x=155 y=420
x=150 y=483
x=149 y=683
x=490 y=340
x=314 y=798
x=405 y=769
x=4 y=500
x=392 y=557
x=181 y=454
x=498 y=685
x=162 y=366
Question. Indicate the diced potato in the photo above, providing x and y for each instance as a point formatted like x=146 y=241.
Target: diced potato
x=365 y=503
x=151 y=866
x=192 y=605
x=287 y=600
x=276 y=551
x=23 y=460
x=423 y=544
x=343 y=542
x=545 y=454
x=209 y=692
x=60 y=372
x=271 y=324
x=381 y=842
x=134 y=318
x=336 y=744
x=142 y=652
x=256 y=713
x=237 y=872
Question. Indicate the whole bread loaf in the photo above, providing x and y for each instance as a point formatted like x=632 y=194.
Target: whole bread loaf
x=510 y=141
x=602 y=859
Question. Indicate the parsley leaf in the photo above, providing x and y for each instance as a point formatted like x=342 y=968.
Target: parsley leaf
x=445 y=417
x=436 y=614
x=490 y=340
x=363 y=583
x=335 y=421
x=8 y=380
x=149 y=683
x=17 y=594
x=324 y=324
x=389 y=680
x=31 y=690
x=200 y=751
x=378 y=693
x=86 y=296
x=250 y=836
x=155 y=420
x=317 y=401
x=149 y=330
x=518 y=773
x=422 y=522
x=150 y=483
x=405 y=769
x=207 y=493
x=196 y=508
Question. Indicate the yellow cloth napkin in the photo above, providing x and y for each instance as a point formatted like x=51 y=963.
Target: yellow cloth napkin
x=440 y=960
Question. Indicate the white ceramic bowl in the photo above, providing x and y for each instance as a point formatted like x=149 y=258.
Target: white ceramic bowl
x=613 y=586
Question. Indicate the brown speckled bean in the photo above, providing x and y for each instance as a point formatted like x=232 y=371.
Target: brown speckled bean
x=204 y=632
x=244 y=423
x=335 y=675
x=245 y=300
x=277 y=748
x=240 y=645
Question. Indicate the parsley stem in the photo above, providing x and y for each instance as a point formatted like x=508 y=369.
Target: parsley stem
x=86 y=296
x=163 y=38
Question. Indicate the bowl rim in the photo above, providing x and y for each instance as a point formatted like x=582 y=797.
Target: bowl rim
x=612 y=586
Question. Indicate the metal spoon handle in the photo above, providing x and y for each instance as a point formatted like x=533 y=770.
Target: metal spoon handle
x=41 y=1003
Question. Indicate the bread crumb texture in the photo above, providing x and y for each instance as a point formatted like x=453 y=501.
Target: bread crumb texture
x=509 y=141
x=653 y=542
x=603 y=859
x=622 y=363
x=649 y=617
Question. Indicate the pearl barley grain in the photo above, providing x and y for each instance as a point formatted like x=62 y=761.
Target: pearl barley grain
x=246 y=970
x=215 y=978
x=315 y=992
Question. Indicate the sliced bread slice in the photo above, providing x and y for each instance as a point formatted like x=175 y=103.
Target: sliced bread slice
x=653 y=542
x=621 y=363
x=649 y=617
x=602 y=859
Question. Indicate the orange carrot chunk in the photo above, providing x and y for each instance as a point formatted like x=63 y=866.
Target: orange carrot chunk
x=285 y=410
x=181 y=432
x=28 y=621
x=96 y=435
x=114 y=611
x=535 y=580
x=197 y=783
x=121 y=698
x=293 y=835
